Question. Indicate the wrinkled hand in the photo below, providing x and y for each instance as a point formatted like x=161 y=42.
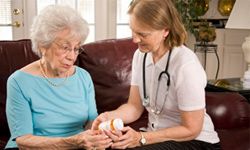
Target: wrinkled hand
x=129 y=139
x=101 y=118
x=91 y=139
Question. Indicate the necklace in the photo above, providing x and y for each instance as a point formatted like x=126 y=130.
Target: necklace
x=47 y=78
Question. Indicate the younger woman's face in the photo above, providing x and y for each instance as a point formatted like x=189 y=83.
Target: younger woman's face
x=148 y=39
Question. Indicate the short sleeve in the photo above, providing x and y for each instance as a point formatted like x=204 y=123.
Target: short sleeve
x=91 y=100
x=135 y=69
x=191 y=87
x=17 y=110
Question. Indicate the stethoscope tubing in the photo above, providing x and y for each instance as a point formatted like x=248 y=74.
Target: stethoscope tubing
x=145 y=100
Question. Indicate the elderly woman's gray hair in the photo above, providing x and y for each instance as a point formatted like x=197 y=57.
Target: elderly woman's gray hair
x=54 y=19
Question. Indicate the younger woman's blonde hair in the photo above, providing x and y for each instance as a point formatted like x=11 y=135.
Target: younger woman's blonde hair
x=159 y=15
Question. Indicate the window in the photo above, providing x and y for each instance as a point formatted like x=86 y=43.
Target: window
x=106 y=18
x=5 y=20
x=122 y=27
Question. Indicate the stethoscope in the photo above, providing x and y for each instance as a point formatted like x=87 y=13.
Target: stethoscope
x=146 y=101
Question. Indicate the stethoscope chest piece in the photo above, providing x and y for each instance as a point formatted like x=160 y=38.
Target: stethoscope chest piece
x=145 y=102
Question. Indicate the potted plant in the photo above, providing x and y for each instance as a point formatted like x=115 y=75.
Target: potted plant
x=205 y=34
x=191 y=11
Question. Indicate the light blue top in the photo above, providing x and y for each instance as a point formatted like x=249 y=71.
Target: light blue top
x=35 y=107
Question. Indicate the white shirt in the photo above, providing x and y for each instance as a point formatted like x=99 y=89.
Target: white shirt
x=186 y=90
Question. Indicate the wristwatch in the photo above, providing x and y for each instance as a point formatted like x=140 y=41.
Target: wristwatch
x=143 y=141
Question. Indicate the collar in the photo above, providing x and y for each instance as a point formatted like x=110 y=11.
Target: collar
x=160 y=64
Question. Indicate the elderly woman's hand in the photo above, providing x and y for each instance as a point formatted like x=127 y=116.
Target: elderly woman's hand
x=129 y=139
x=92 y=140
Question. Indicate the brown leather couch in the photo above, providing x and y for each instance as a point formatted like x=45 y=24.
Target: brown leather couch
x=109 y=63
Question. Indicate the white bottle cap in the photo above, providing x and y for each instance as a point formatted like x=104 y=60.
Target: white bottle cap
x=118 y=124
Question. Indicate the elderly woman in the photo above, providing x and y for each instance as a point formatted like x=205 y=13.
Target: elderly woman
x=51 y=101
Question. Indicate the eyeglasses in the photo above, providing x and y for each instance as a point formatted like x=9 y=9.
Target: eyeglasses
x=65 y=48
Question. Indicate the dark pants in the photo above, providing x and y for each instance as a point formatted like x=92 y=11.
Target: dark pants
x=186 y=145
x=173 y=145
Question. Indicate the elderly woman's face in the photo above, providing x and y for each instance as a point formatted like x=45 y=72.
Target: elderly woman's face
x=62 y=53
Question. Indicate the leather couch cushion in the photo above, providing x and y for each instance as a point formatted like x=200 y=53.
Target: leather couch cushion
x=235 y=139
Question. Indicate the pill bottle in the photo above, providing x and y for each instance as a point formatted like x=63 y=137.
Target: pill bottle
x=114 y=124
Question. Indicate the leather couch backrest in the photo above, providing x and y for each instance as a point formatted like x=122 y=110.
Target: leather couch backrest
x=109 y=63
x=13 y=55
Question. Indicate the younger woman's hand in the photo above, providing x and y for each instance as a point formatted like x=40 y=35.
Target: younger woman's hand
x=129 y=139
x=101 y=118
x=114 y=135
